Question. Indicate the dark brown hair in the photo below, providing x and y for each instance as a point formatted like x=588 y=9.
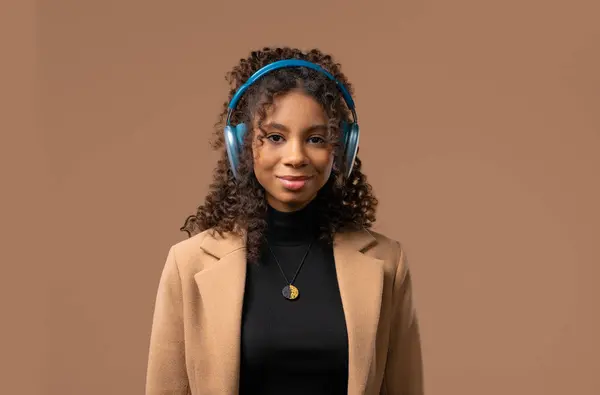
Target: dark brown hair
x=239 y=205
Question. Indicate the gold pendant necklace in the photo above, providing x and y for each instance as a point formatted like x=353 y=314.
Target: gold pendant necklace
x=290 y=291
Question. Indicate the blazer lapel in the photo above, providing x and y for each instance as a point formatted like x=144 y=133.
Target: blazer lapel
x=360 y=279
x=221 y=289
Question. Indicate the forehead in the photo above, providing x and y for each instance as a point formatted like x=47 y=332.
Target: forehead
x=295 y=107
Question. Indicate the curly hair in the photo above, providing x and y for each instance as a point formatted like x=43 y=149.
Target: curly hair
x=239 y=205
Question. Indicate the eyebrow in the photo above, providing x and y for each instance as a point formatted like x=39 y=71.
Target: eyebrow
x=284 y=128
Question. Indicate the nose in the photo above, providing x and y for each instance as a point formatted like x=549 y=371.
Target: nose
x=295 y=154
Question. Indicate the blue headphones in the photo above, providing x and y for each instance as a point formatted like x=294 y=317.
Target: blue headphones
x=234 y=135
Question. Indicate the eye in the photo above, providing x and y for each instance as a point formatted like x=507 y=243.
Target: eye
x=316 y=140
x=275 y=138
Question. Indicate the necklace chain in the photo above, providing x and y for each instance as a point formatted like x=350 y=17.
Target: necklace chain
x=299 y=267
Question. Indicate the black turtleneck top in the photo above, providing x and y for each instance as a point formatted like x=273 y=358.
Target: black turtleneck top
x=293 y=346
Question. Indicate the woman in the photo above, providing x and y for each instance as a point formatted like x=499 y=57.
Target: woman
x=282 y=288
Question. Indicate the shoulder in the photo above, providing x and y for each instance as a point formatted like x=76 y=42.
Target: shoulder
x=387 y=249
x=395 y=262
x=385 y=242
x=199 y=251
x=374 y=243
x=187 y=248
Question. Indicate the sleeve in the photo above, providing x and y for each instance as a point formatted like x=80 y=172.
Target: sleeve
x=166 y=370
x=404 y=368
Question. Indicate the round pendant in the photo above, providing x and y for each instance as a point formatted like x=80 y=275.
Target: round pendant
x=290 y=292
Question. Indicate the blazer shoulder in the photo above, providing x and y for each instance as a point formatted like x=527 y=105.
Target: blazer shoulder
x=386 y=243
x=189 y=254
x=190 y=245
x=384 y=239
x=203 y=249
x=390 y=250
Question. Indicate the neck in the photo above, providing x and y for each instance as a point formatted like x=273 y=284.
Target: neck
x=295 y=227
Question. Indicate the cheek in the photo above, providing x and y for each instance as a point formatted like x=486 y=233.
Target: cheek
x=264 y=160
x=324 y=163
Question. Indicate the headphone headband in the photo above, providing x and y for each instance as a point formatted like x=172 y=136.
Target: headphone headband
x=284 y=64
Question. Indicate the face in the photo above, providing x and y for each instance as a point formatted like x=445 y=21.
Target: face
x=294 y=160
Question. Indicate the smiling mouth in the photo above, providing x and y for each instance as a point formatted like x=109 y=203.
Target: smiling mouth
x=294 y=178
x=294 y=183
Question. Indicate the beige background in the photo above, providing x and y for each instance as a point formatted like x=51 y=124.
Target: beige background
x=480 y=134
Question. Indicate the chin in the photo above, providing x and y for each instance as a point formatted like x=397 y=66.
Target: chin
x=294 y=199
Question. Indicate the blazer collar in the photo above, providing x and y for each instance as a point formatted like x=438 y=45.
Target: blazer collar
x=219 y=245
x=221 y=288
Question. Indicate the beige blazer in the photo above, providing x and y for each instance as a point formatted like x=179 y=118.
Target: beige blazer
x=195 y=339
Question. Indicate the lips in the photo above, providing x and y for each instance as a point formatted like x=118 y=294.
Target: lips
x=294 y=183
x=294 y=178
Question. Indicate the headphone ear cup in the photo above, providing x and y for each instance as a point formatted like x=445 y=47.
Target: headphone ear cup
x=240 y=132
x=345 y=130
x=352 y=140
x=234 y=137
